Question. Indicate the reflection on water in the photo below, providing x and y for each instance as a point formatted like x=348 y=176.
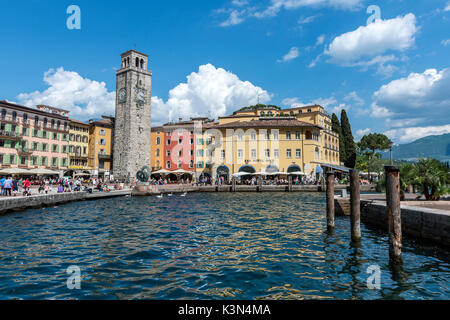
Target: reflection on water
x=206 y=246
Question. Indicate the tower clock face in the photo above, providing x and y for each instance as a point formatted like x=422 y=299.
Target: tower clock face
x=122 y=95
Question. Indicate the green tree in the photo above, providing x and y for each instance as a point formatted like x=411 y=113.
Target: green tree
x=336 y=125
x=373 y=142
x=349 y=142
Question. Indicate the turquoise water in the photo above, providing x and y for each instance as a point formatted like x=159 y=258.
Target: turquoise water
x=206 y=246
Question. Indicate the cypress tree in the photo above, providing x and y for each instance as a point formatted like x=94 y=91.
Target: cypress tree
x=349 y=142
x=337 y=128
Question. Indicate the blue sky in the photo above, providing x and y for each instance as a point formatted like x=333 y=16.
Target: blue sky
x=213 y=57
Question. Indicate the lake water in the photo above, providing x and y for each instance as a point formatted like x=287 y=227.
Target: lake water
x=207 y=246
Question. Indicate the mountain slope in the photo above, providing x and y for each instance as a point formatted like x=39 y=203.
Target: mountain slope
x=437 y=147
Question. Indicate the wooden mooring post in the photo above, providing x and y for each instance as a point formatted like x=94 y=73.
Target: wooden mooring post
x=290 y=183
x=233 y=186
x=330 y=200
x=394 y=214
x=355 y=205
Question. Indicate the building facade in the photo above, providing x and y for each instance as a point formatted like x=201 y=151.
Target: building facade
x=101 y=147
x=79 y=147
x=133 y=115
x=34 y=138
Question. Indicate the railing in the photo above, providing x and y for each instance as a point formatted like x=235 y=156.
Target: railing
x=10 y=134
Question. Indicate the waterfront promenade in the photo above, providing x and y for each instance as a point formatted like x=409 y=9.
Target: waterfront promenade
x=19 y=203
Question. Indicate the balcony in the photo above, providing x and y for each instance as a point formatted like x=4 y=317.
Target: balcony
x=104 y=156
x=9 y=120
x=10 y=135
x=78 y=155
x=24 y=151
x=56 y=128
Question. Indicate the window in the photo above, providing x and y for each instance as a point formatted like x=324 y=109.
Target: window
x=23 y=160
x=253 y=153
x=44 y=147
x=275 y=135
x=288 y=135
x=309 y=110
x=180 y=141
x=168 y=153
x=308 y=135
x=101 y=164
x=55 y=136
x=317 y=153
x=84 y=150
x=222 y=154
x=240 y=153
x=45 y=122
x=199 y=164
x=180 y=164
x=240 y=136
x=24 y=131
x=276 y=153
x=267 y=153
x=3 y=114
x=33 y=161
x=288 y=153
x=267 y=135
x=253 y=136
x=192 y=153
x=168 y=142
x=14 y=116
x=168 y=164
x=2 y=143
x=158 y=152
x=44 y=161
x=1 y=158
x=102 y=142
x=192 y=141
x=298 y=153
x=199 y=153
x=54 y=162
x=44 y=134
x=297 y=135
x=54 y=148
x=180 y=153
x=191 y=164
x=102 y=132
x=25 y=118
x=158 y=140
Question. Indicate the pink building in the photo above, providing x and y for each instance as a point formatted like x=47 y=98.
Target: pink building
x=34 y=138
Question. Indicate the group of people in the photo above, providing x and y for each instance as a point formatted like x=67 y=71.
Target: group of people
x=11 y=186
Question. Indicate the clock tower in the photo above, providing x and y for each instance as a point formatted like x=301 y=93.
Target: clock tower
x=133 y=116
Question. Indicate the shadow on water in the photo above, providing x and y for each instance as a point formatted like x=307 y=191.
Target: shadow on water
x=207 y=246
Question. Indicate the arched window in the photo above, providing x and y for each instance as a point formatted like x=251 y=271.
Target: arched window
x=85 y=139
x=36 y=120
x=3 y=114
x=137 y=62
x=157 y=152
x=142 y=63
x=25 y=117
x=78 y=138
x=45 y=122
x=53 y=123
x=291 y=113
x=262 y=114
x=300 y=111
x=58 y=124
x=158 y=140
x=14 y=116
x=270 y=114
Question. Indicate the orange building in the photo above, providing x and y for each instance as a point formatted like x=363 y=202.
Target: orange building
x=157 y=149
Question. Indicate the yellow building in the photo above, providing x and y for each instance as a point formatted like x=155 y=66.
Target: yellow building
x=157 y=147
x=268 y=139
x=79 y=147
x=101 y=135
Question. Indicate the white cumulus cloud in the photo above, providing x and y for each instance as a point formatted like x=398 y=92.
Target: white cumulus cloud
x=84 y=98
x=369 y=44
x=209 y=92
x=362 y=132
x=421 y=96
x=293 y=53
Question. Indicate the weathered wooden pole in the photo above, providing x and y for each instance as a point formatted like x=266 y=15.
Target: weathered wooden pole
x=330 y=200
x=394 y=214
x=233 y=181
x=355 y=205
x=290 y=183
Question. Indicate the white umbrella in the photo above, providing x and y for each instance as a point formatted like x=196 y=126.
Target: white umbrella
x=43 y=171
x=181 y=171
x=162 y=172
x=298 y=173
x=261 y=173
x=240 y=174
x=15 y=171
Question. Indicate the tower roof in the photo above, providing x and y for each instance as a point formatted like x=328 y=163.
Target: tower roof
x=132 y=50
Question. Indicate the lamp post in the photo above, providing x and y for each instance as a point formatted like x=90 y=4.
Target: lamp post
x=391 y=144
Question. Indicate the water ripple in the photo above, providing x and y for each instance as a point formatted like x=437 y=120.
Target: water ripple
x=206 y=246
